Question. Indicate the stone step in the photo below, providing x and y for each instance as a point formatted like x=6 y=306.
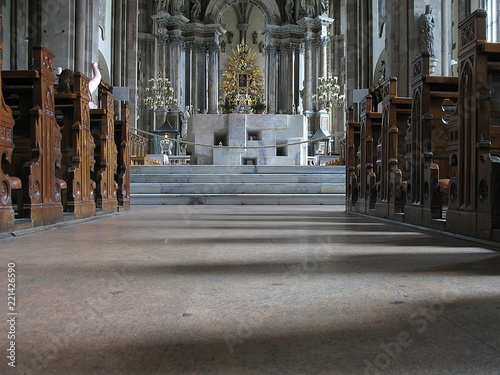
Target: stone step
x=246 y=184
x=237 y=178
x=232 y=188
x=235 y=169
x=238 y=199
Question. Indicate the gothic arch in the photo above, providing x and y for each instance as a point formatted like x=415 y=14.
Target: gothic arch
x=216 y=8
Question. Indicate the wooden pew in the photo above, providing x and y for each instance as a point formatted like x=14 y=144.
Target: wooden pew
x=474 y=188
x=391 y=151
x=352 y=145
x=122 y=140
x=77 y=148
x=105 y=152
x=370 y=130
x=7 y=183
x=428 y=158
x=37 y=138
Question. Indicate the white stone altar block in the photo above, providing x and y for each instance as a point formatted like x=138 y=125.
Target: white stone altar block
x=241 y=130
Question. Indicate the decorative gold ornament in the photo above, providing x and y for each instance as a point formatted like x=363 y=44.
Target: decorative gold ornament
x=159 y=94
x=242 y=82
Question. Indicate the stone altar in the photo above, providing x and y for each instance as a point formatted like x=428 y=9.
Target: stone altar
x=249 y=130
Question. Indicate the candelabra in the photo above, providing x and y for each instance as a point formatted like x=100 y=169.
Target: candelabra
x=159 y=94
x=328 y=93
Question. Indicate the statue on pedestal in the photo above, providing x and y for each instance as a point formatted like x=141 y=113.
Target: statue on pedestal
x=161 y=5
x=177 y=7
x=325 y=6
x=426 y=27
x=166 y=148
x=196 y=10
x=289 y=10
x=184 y=122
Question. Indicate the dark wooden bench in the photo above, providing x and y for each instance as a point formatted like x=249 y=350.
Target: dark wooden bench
x=8 y=183
x=474 y=187
x=105 y=153
x=427 y=145
x=390 y=171
x=370 y=130
x=352 y=146
x=122 y=140
x=37 y=138
x=73 y=113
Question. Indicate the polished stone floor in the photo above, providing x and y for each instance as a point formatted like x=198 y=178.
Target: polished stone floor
x=237 y=290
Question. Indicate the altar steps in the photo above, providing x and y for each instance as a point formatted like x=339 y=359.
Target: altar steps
x=203 y=184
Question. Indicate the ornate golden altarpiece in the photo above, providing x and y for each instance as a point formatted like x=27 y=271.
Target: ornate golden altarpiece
x=242 y=84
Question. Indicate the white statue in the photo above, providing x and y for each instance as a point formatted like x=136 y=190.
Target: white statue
x=196 y=10
x=177 y=6
x=426 y=26
x=289 y=10
x=325 y=7
x=161 y=5
x=166 y=149
x=184 y=122
x=307 y=8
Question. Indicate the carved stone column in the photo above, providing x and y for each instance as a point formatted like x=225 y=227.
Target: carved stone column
x=323 y=56
x=283 y=80
x=117 y=44
x=291 y=79
x=80 y=18
x=243 y=32
x=299 y=77
x=308 y=77
x=175 y=67
x=272 y=70
x=193 y=100
x=213 y=77
x=446 y=27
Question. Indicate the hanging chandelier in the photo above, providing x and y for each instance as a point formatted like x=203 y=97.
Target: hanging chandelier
x=328 y=93
x=159 y=94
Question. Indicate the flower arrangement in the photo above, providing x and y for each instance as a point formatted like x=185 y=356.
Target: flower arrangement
x=259 y=107
x=227 y=106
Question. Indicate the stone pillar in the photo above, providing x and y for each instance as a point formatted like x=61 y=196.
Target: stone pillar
x=80 y=22
x=290 y=77
x=165 y=61
x=299 y=74
x=323 y=57
x=188 y=77
x=446 y=29
x=308 y=79
x=175 y=61
x=272 y=71
x=283 y=79
x=213 y=77
x=194 y=77
x=243 y=32
x=130 y=70
x=201 y=71
x=117 y=44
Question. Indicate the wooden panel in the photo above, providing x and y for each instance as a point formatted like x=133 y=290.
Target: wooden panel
x=122 y=139
x=37 y=137
x=78 y=148
x=6 y=150
x=105 y=153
